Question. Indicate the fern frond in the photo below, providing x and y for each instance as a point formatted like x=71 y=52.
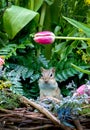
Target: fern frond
x=65 y=70
x=44 y=62
x=16 y=74
x=10 y=50
x=65 y=74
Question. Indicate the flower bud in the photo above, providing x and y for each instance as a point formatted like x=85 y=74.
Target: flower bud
x=44 y=37
x=1 y=61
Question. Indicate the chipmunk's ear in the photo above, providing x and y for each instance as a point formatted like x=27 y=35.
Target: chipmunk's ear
x=42 y=69
x=53 y=70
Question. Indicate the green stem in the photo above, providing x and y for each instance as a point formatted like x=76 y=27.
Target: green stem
x=32 y=5
x=72 y=38
x=80 y=69
x=42 y=18
x=17 y=2
x=48 y=52
x=48 y=47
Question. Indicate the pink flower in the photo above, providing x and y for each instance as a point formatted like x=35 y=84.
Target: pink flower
x=83 y=89
x=44 y=37
x=1 y=61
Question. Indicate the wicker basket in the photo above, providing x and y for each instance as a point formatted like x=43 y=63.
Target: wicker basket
x=28 y=119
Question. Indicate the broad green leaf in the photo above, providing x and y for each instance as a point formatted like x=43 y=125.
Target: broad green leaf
x=79 y=25
x=15 y=18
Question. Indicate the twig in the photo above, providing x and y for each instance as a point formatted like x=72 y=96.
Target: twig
x=85 y=114
x=77 y=124
x=5 y=110
x=54 y=99
x=38 y=127
x=87 y=106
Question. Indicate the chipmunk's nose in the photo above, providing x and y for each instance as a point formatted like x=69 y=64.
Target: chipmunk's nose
x=46 y=80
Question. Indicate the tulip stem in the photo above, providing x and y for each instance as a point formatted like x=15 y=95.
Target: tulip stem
x=72 y=38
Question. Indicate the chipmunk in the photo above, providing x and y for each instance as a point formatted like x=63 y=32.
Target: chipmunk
x=48 y=85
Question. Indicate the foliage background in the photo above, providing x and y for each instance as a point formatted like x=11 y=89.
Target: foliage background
x=20 y=20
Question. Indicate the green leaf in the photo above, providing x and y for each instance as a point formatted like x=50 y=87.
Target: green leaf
x=49 y=2
x=29 y=73
x=60 y=47
x=74 y=44
x=37 y=4
x=15 y=18
x=79 y=25
x=88 y=50
x=59 y=78
x=64 y=74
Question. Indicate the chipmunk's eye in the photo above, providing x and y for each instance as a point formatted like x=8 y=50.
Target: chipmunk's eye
x=51 y=75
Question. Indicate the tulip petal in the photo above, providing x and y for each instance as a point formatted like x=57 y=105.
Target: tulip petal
x=44 y=37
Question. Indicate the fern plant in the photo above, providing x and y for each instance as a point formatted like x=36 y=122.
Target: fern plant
x=24 y=75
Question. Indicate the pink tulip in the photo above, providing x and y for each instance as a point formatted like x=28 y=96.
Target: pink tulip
x=44 y=37
x=83 y=89
x=1 y=61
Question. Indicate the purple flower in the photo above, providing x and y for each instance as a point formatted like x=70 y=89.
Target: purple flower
x=44 y=37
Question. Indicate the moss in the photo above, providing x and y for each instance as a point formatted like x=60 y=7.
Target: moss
x=9 y=100
x=85 y=110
